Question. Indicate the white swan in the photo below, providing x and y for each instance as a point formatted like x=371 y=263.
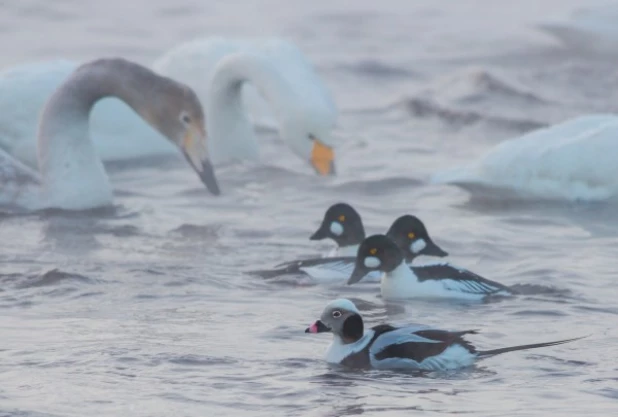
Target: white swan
x=587 y=29
x=219 y=71
x=71 y=174
x=574 y=160
x=277 y=69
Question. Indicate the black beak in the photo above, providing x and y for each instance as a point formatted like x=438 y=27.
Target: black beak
x=206 y=173
x=433 y=250
x=317 y=327
x=321 y=233
x=332 y=171
x=359 y=272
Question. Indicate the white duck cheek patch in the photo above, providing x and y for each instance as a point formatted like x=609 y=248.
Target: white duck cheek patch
x=372 y=262
x=336 y=228
x=418 y=245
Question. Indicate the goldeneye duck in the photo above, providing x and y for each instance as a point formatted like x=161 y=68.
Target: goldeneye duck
x=342 y=224
x=407 y=230
x=410 y=234
x=401 y=281
x=384 y=346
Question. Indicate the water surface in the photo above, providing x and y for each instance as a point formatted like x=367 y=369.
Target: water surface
x=145 y=309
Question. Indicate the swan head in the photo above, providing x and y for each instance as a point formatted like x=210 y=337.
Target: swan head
x=181 y=119
x=311 y=140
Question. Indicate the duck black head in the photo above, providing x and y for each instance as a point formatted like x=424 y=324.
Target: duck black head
x=341 y=223
x=376 y=253
x=410 y=234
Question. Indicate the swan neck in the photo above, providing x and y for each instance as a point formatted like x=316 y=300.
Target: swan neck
x=68 y=162
x=91 y=82
x=229 y=128
x=256 y=70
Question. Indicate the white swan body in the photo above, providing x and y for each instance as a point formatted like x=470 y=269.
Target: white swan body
x=116 y=131
x=71 y=175
x=573 y=160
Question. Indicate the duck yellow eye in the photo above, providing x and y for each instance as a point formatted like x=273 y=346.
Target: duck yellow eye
x=373 y=251
x=342 y=218
x=411 y=235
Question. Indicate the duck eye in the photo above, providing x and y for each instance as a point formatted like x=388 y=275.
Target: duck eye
x=342 y=218
x=185 y=118
x=411 y=235
x=373 y=251
x=336 y=314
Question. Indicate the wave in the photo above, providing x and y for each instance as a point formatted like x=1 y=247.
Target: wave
x=376 y=187
x=426 y=108
x=53 y=277
x=474 y=85
x=200 y=232
x=470 y=97
x=375 y=68
x=587 y=30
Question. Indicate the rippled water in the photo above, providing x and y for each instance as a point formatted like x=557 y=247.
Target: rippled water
x=145 y=310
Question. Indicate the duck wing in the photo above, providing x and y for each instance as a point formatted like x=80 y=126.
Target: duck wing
x=412 y=345
x=458 y=279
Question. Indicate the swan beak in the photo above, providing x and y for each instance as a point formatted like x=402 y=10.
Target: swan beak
x=194 y=150
x=323 y=158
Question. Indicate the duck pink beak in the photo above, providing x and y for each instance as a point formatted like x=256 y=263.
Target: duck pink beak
x=317 y=327
x=313 y=328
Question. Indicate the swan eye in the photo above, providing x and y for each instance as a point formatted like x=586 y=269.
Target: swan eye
x=411 y=235
x=336 y=314
x=311 y=137
x=185 y=118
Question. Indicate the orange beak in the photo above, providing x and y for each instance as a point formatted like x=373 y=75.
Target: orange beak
x=322 y=158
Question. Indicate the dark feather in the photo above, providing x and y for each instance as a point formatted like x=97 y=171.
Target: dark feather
x=419 y=351
x=360 y=359
x=294 y=267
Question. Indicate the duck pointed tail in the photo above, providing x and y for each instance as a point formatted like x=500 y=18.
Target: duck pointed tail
x=492 y=352
x=269 y=273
